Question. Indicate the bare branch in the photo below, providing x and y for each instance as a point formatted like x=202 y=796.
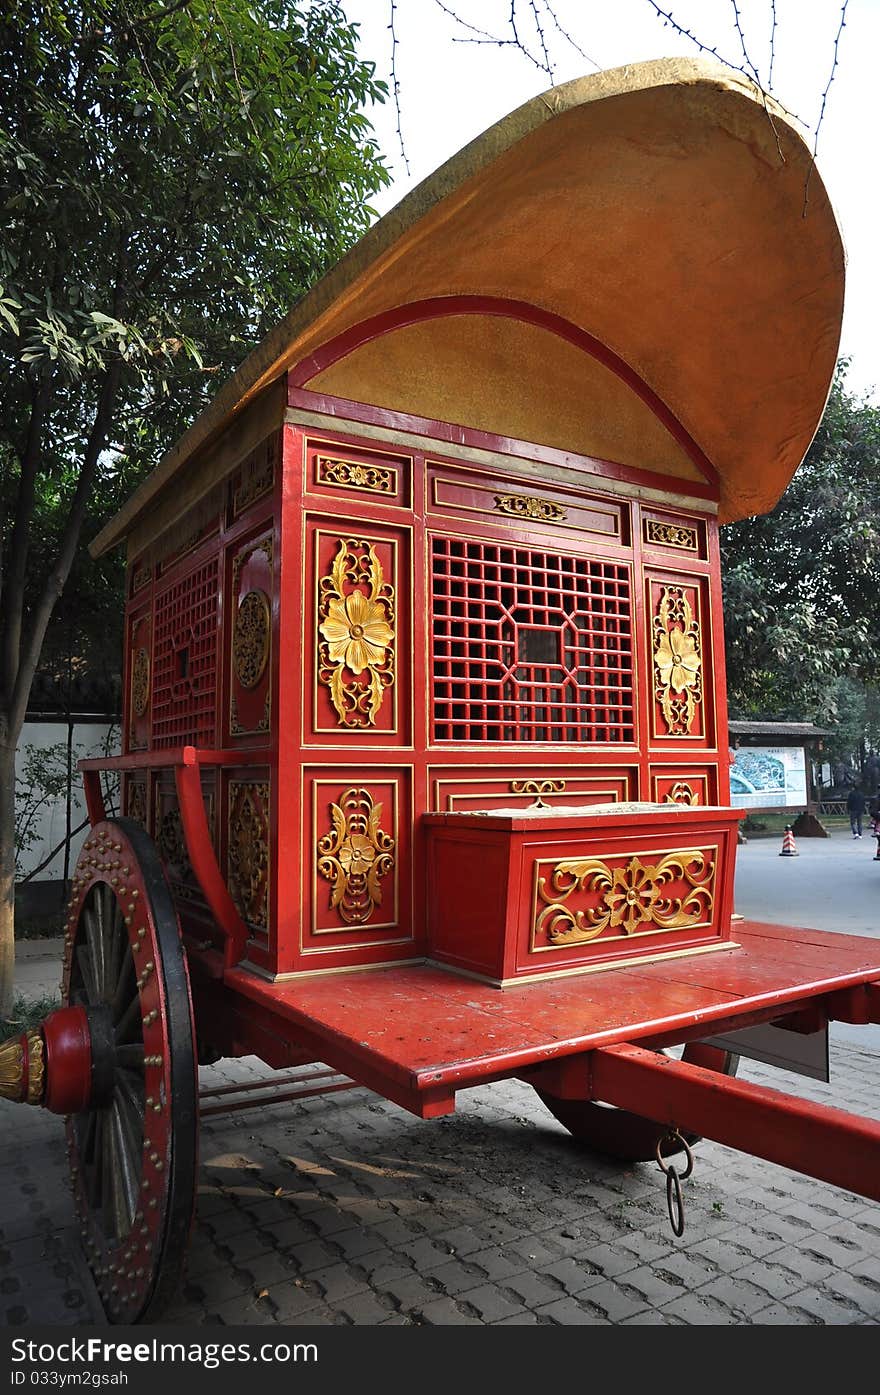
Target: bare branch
x=840 y=29
x=395 y=85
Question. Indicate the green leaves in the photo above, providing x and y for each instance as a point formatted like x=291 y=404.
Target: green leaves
x=802 y=584
x=172 y=180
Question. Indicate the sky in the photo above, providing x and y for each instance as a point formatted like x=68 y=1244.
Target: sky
x=451 y=90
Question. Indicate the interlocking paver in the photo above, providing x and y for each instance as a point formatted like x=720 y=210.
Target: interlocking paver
x=382 y=1220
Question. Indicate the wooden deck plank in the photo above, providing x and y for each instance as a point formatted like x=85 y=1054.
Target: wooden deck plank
x=421 y=1026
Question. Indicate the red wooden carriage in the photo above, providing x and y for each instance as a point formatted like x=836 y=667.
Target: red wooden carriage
x=425 y=768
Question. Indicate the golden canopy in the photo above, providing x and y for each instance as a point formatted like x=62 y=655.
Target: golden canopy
x=675 y=258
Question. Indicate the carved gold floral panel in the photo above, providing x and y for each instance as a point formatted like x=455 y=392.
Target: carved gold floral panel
x=356 y=855
x=677 y=662
x=248 y=850
x=251 y=641
x=140 y=684
x=583 y=898
x=356 y=633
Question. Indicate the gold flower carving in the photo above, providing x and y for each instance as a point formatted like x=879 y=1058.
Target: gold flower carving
x=355 y=652
x=355 y=855
x=631 y=898
x=678 y=682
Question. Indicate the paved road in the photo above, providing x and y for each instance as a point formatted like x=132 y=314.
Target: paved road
x=346 y=1210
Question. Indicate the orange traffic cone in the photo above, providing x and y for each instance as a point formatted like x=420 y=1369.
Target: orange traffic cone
x=788 y=847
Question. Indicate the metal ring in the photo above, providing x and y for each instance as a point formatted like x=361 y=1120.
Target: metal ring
x=674 y=1201
x=675 y=1137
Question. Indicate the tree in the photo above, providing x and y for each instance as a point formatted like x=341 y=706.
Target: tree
x=175 y=176
x=802 y=604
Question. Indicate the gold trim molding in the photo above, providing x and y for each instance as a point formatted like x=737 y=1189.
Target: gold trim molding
x=529 y=506
x=355 y=855
x=538 y=788
x=356 y=610
x=678 y=679
x=633 y=898
x=353 y=474
x=672 y=535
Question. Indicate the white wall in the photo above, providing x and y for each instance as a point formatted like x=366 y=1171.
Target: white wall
x=89 y=739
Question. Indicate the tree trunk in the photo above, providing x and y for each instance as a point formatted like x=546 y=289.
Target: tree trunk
x=7 y=877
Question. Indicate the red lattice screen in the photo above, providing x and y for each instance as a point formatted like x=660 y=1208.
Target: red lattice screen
x=185 y=674
x=530 y=646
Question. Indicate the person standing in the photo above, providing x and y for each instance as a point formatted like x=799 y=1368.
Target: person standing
x=855 y=807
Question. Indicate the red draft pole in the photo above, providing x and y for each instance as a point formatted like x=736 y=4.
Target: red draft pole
x=814 y=1139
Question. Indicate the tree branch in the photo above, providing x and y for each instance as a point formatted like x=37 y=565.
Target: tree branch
x=15 y=577
x=60 y=570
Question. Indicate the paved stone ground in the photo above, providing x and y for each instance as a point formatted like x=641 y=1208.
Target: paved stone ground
x=345 y=1209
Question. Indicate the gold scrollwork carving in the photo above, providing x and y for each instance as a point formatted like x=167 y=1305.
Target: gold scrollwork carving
x=538 y=788
x=22 y=1068
x=630 y=897
x=250 y=640
x=36 y=1066
x=682 y=793
x=249 y=851
x=672 y=535
x=678 y=681
x=140 y=681
x=356 y=607
x=355 y=855
x=527 y=506
x=136 y=802
x=352 y=474
x=11 y=1069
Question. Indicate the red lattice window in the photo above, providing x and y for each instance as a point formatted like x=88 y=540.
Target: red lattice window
x=185 y=681
x=530 y=646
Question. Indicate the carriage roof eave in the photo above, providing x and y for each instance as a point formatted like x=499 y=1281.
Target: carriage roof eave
x=668 y=213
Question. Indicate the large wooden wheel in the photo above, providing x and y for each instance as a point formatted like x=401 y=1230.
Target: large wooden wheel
x=629 y=1137
x=133 y=1147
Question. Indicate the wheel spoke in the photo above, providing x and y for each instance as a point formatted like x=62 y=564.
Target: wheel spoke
x=95 y=1175
x=122 y=999
x=126 y=1153
x=95 y=940
x=129 y=1021
x=118 y=1200
x=117 y=953
x=130 y=1055
x=83 y=959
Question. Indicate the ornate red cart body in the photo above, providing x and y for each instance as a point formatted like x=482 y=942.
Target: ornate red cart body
x=425 y=769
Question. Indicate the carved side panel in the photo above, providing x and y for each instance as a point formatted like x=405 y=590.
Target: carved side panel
x=375 y=475
x=248 y=852
x=579 y=899
x=358 y=651
x=684 y=785
x=140 y=682
x=168 y=835
x=251 y=588
x=680 y=659
x=255 y=477
x=357 y=858
x=135 y=803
